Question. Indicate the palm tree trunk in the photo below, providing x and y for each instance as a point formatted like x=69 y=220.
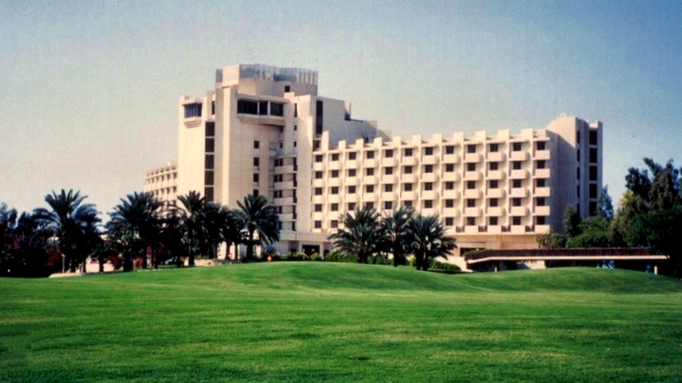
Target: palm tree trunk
x=144 y=258
x=101 y=265
x=418 y=260
x=236 y=251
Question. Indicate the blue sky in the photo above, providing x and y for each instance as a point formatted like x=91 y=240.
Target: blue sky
x=89 y=89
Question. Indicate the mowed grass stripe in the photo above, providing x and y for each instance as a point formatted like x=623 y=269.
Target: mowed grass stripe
x=342 y=322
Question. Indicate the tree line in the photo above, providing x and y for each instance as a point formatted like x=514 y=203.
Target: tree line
x=70 y=230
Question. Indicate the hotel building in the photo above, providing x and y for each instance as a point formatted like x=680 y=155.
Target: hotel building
x=163 y=183
x=265 y=130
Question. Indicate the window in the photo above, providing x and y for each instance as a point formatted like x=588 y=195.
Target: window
x=577 y=191
x=408 y=170
x=408 y=187
x=428 y=168
x=334 y=224
x=593 y=190
x=471 y=148
x=247 y=107
x=212 y=107
x=428 y=204
x=540 y=201
x=256 y=144
x=318 y=191
x=318 y=224
x=541 y=145
x=335 y=157
x=208 y=192
x=516 y=147
x=287 y=89
x=388 y=188
x=494 y=165
x=369 y=205
x=593 y=155
x=351 y=189
x=388 y=171
x=407 y=203
x=540 y=183
x=593 y=173
x=351 y=172
x=295 y=110
x=295 y=144
x=388 y=205
x=209 y=161
x=516 y=184
x=494 y=184
x=295 y=128
x=208 y=177
x=516 y=202
x=450 y=149
x=318 y=175
x=210 y=145
x=577 y=137
x=449 y=168
x=370 y=155
x=492 y=221
x=335 y=174
x=388 y=154
x=449 y=221
x=335 y=190
x=428 y=186
x=263 y=108
x=577 y=173
x=369 y=171
x=276 y=109
x=516 y=165
x=352 y=155
x=541 y=164
x=255 y=177
x=593 y=137
x=428 y=151
x=210 y=129
x=593 y=208
x=471 y=185
x=449 y=203
x=540 y=220
x=351 y=206
x=369 y=188
x=516 y=221
x=471 y=167
x=494 y=148
x=408 y=152
x=318 y=207
x=494 y=202
x=256 y=161
x=318 y=158
x=471 y=221
x=335 y=207
x=193 y=110
x=449 y=185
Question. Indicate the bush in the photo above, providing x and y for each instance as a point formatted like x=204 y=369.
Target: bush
x=295 y=257
x=315 y=257
x=436 y=265
x=341 y=257
x=379 y=260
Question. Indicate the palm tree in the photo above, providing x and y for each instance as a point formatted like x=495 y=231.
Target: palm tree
x=172 y=234
x=427 y=239
x=361 y=233
x=194 y=205
x=231 y=231
x=68 y=221
x=256 y=216
x=215 y=218
x=134 y=226
x=394 y=227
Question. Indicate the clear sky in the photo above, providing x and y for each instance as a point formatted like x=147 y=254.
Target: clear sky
x=89 y=89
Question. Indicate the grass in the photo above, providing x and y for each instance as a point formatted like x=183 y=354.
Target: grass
x=309 y=322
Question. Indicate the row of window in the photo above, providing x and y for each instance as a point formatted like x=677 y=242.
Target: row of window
x=164 y=191
x=166 y=177
x=448 y=168
x=450 y=221
x=260 y=108
x=447 y=203
x=429 y=186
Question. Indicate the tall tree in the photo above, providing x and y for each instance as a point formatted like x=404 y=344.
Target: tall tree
x=194 y=240
x=259 y=221
x=571 y=222
x=395 y=232
x=605 y=204
x=428 y=240
x=361 y=233
x=68 y=220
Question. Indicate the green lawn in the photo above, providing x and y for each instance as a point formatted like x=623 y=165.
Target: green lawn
x=342 y=322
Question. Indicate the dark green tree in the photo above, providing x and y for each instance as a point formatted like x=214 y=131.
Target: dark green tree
x=428 y=240
x=193 y=219
x=395 y=232
x=259 y=222
x=360 y=234
x=571 y=222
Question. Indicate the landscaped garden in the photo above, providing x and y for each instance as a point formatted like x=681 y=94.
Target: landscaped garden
x=322 y=321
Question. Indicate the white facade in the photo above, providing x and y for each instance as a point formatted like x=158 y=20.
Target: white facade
x=264 y=129
x=163 y=183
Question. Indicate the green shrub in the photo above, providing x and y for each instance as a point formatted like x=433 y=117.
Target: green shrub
x=315 y=257
x=379 y=260
x=341 y=257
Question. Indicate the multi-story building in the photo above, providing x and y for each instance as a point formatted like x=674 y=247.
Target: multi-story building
x=264 y=130
x=163 y=183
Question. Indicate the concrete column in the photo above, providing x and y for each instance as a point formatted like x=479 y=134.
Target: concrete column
x=497 y=267
x=656 y=269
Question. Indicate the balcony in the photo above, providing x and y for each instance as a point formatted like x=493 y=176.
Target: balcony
x=519 y=156
x=334 y=181
x=472 y=211
x=472 y=176
x=428 y=194
x=408 y=178
x=351 y=164
x=284 y=185
x=408 y=161
x=495 y=193
x=542 y=192
x=388 y=196
x=283 y=201
x=450 y=176
x=334 y=165
x=542 y=210
x=333 y=198
x=286 y=217
x=370 y=180
x=388 y=179
x=518 y=192
x=450 y=158
x=316 y=166
x=495 y=157
x=429 y=160
x=518 y=174
x=389 y=161
x=450 y=194
x=318 y=182
x=495 y=229
x=470 y=229
x=517 y=229
x=351 y=181
x=518 y=211
x=473 y=157
x=369 y=197
x=495 y=211
x=472 y=193
x=318 y=199
x=430 y=211
x=541 y=229
x=495 y=175
x=369 y=163
x=408 y=195
x=542 y=155
x=261 y=119
x=451 y=212
x=284 y=169
x=318 y=216
x=542 y=173
x=429 y=177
